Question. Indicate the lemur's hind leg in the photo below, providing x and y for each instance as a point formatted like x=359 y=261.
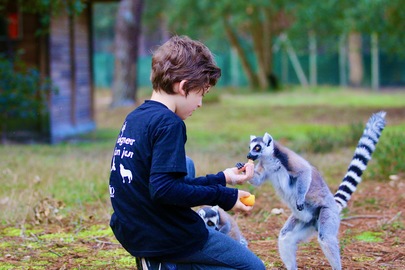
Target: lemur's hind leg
x=293 y=232
x=328 y=229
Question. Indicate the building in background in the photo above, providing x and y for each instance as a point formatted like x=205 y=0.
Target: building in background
x=64 y=54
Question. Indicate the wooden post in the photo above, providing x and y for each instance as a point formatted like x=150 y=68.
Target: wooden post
x=294 y=60
x=342 y=61
x=375 y=74
x=313 y=72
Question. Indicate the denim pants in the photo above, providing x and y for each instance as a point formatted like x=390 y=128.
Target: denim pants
x=190 y=168
x=220 y=252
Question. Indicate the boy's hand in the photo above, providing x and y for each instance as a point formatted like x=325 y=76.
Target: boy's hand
x=239 y=206
x=240 y=175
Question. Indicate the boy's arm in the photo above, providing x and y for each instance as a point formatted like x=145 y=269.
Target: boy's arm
x=209 y=179
x=168 y=189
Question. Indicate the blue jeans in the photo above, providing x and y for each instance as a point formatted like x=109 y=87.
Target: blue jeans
x=190 y=168
x=221 y=252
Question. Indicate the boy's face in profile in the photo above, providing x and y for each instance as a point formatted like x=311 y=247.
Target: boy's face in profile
x=189 y=103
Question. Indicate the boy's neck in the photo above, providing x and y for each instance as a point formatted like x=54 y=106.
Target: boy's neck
x=165 y=99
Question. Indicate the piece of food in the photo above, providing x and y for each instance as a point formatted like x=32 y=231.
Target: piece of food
x=248 y=201
x=251 y=161
x=239 y=165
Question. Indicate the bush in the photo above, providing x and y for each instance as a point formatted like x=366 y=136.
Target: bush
x=323 y=141
x=23 y=93
x=389 y=156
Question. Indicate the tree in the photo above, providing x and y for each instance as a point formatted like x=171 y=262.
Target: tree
x=253 y=26
x=126 y=44
x=352 y=20
x=249 y=26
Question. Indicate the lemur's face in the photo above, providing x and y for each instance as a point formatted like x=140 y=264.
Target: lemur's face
x=210 y=216
x=259 y=146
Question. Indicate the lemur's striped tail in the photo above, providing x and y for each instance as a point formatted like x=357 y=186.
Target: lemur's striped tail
x=362 y=155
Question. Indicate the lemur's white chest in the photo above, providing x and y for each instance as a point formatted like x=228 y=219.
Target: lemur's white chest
x=287 y=191
x=281 y=183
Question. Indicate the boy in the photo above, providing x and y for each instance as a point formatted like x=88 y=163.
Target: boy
x=151 y=196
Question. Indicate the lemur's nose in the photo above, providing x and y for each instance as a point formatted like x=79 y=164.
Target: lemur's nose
x=252 y=157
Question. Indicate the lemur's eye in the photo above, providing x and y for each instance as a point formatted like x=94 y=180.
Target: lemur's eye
x=210 y=223
x=258 y=148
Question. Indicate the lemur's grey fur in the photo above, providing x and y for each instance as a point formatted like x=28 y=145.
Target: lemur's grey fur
x=216 y=218
x=300 y=185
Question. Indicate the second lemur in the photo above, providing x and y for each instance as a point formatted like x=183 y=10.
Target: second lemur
x=217 y=219
x=300 y=185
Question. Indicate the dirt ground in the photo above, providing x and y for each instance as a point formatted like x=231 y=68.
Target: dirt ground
x=372 y=236
x=374 y=210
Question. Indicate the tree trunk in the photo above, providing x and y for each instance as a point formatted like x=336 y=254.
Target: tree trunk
x=233 y=39
x=271 y=28
x=126 y=44
x=356 y=69
x=258 y=33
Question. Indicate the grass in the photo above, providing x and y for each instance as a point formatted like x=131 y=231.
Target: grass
x=218 y=134
x=329 y=96
x=72 y=177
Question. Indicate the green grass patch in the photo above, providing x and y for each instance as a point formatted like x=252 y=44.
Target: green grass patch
x=61 y=237
x=12 y=232
x=95 y=231
x=335 y=97
x=371 y=237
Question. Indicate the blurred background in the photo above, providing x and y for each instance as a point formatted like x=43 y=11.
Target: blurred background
x=308 y=72
x=54 y=55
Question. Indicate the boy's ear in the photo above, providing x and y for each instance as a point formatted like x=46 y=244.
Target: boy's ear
x=180 y=89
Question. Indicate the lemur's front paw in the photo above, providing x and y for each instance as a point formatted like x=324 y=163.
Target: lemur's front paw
x=300 y=206
x=239 y=165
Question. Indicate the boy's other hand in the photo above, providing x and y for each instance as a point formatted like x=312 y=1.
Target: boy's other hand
x=239 y=176
x=239 y=206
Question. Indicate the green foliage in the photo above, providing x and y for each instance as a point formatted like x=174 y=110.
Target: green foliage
x=103 y=24
x=332 y=18
x=327 y=140
x=389 y=156
x=386 y=160
x=23 y=91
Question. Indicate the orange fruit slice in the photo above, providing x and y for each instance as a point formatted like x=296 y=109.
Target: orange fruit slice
x=248 y=201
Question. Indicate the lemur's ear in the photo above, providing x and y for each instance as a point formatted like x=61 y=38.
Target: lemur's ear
x=267 y=139
x=201 y=212
x=252 y=137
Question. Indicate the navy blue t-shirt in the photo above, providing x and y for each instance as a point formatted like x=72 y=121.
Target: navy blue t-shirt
x=150 y=196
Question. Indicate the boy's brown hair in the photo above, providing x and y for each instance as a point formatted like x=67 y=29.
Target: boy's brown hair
x=182 y=58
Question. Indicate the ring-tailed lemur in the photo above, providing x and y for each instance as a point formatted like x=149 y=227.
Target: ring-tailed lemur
x=314 y=208
x=216 y=218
